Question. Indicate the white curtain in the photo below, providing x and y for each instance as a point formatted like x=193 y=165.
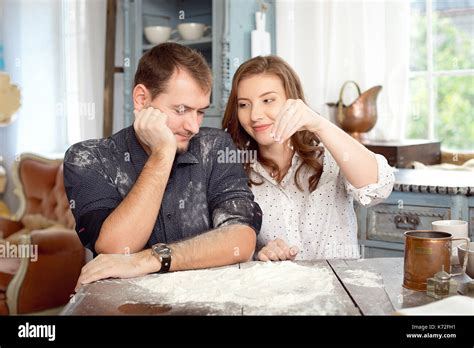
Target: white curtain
x=31 y=45
x=330 y=42
x=84 y=24
x=54 y=52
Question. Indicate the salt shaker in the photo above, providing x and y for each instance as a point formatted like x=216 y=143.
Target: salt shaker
x=441 y=285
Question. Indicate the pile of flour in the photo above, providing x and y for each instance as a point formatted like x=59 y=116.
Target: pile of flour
x=267 y=284
x=363 y=278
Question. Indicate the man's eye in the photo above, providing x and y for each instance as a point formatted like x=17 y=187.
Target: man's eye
x=201 y=112
x=180 y=111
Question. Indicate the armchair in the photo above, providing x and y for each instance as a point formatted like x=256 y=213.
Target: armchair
x=41 y=284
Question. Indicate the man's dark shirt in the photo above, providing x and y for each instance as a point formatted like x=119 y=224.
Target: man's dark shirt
x=203 y=192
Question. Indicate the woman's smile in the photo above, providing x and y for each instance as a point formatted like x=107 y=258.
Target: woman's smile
x=262 y=127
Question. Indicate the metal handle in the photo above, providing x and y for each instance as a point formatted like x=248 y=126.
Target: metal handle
x=402 y=220
x=342 y=90
x=466 y=255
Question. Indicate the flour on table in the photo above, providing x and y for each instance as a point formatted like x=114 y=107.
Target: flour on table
x=270 y=284
x=363 y=278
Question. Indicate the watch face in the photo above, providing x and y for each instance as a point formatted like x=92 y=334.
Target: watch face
x=162 y=250
x=165 y=252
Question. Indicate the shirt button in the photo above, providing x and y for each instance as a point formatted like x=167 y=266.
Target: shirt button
x=168 y=215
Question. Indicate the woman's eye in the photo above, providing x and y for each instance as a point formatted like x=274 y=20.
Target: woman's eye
x=242 y=105
x=267 y=101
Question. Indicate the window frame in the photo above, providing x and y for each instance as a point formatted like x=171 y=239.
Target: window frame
x=430 y=74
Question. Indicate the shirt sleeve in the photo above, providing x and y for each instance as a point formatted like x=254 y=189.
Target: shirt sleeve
x=230 y=199
x=87 y=186
x=374 y=193
x=88 y=227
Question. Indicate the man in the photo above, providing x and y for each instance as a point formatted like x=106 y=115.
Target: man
x=153 y=197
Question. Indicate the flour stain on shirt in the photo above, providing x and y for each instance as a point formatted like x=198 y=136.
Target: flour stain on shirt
x=206 y=147
x=84 y=158
x=229 y=211
x=122 y=182
x=192 y=195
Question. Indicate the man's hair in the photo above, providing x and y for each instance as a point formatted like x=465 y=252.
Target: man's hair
x=157 y=66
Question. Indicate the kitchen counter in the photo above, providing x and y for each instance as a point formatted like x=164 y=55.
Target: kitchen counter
x=434 y=181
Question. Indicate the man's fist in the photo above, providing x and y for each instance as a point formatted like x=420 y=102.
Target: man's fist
x=151 y=128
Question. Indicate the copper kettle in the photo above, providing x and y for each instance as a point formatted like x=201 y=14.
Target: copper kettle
x=360 y=116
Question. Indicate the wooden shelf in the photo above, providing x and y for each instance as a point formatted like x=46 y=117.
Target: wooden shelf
x=203 y=42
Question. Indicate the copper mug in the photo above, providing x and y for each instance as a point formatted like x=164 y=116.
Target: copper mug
x=426 y=252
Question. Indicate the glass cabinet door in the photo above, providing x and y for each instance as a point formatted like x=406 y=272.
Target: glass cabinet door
x=225 y=42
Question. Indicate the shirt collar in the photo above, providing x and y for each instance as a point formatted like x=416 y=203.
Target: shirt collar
x=187 y=157
x=259 y=169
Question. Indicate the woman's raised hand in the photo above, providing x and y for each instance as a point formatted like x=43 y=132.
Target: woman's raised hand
x=294 y=116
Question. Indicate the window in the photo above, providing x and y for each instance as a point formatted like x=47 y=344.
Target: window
x=442 y=73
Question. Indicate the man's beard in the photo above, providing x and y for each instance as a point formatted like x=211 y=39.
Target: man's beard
x=183 y=149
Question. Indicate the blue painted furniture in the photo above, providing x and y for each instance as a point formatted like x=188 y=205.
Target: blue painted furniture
x=228 y=46
x=419 y=198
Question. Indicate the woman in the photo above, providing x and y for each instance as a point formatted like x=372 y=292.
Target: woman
x=308 y=171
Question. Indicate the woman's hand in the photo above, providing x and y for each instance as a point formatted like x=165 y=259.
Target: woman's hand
x=277 y=250
x=294 y=116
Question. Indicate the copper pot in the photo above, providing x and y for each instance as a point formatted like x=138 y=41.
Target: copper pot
x=426 y=252
x=360 y=116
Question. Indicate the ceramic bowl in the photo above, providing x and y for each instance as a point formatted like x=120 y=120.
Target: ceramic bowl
x=157 y=34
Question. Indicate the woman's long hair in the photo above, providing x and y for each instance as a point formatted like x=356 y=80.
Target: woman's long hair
x=305 y=143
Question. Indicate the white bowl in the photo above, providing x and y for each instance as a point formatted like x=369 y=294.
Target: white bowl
x=191 y=31
x=470 y=260
x=157 y=34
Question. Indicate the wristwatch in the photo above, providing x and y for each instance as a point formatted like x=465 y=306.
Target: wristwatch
x=163 y=253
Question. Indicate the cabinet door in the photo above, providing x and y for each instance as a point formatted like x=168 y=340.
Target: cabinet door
x=231 y=22
x=234 y=21
x=138 y=14
x=240 y=21
x=382 y=226
x=388 y=223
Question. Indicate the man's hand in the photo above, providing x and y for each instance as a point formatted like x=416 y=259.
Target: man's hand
x=118 y=266
x=277 y=250
x=151 y=128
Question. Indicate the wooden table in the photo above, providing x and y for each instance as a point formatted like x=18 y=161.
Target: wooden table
x=122 y=296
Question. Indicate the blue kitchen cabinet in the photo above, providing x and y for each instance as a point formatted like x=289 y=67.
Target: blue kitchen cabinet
x=419 y=197
x=227 y=46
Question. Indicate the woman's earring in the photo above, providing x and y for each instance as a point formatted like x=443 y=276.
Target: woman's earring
x=290 y=145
